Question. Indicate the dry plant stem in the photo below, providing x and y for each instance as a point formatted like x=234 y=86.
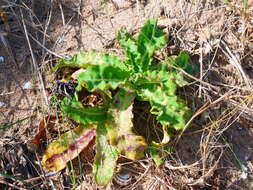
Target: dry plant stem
x=232 y=112
x=49 y=51
x=201 y=180
x=115 y=5
x=235 y=62
x=163 y=182
x=205 y=150
x=7 y=93
x=62 y=14
x=201 y=68
x=141 y=177
x=200 y=81
x=46 y=28
x=181 y=167
x=11 y=185
x=201 y=110
x=43 y=177
x=42 y=86
x=138 y=6
x=191 y=77
x=7 y=47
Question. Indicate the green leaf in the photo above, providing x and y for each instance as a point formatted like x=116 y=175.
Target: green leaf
x=170 y=110
x=67 y=147
x=86 y=59
x=123 y=137
x=85 y=115
x=130 y=49
x=159 y=89
x=182 y=61
x=123 y=99
x=106 y=157
x=149 y=40
x=139 y=52
x=102 y=77
x=155 y=152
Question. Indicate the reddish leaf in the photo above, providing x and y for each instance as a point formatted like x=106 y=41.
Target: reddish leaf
x=67 y=147
x=46 y=124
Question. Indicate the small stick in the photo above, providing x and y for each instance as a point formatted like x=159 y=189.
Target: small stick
x=201 y=110
x=201 y=69
x=11 y=185
x=34 y=60
x=62 y=14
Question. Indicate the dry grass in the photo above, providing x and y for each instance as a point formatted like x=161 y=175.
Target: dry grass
x=216 y=145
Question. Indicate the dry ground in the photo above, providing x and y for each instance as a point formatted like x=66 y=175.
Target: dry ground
x=215 y=153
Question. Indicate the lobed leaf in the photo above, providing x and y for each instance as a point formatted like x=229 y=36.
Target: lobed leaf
x=159 y=89
x=105 y=159
x=67 y=147
x=102 y=77
x=86 y=59
x=149 y=40
x=130 y=49
x=139 y=52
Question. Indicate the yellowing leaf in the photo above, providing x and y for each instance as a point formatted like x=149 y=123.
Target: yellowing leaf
x=106 y=157
x=67 y=147
x=127 y=142
x=85 y=59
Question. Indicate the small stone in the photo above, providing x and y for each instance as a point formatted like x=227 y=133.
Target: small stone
x=2 y=104
x=27 y=85
x=2 y=60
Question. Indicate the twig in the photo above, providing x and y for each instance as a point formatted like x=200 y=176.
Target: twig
x=192 y=77
x=201 y=180
x=7 y=47
x=34 y=60
x=180 y=167
x=201 y=110
x=235 y=62
x=163 y=182
x=201 y=68
x=11 y=185
x=41 y=177
x=46 y=28
x=62 y=13
x=49 y=51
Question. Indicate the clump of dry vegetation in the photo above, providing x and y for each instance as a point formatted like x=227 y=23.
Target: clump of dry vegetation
x=215 y=148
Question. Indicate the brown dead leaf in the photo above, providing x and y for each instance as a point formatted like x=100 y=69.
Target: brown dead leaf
x=46 y=124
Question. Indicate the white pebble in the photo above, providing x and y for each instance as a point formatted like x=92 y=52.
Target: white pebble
x=244 y=175
x=2 y=104
x=27 y=85
x=2 y=59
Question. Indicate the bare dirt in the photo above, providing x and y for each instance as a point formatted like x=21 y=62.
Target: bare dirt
x=216 y=152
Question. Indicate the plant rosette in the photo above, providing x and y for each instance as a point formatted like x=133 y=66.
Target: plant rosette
x=119 y=82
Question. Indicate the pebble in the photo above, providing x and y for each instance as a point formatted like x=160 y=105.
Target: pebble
x=123 y=178
x=2 y=60
x=2 y=104
x=27 y=85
